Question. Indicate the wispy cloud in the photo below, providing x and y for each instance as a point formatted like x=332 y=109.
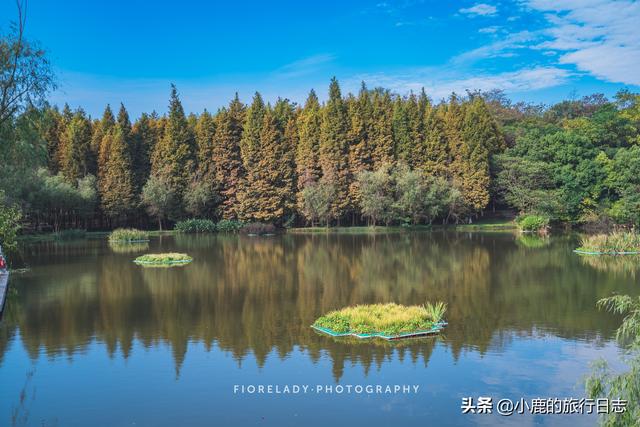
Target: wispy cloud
x=501 y=48
x=600 y=37
x=480 y=9
x=489 y=30
x=441 y=85
x=304 y=66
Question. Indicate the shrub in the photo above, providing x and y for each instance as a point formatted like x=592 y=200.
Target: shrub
x=128 y=235
x=195 y=226
x=259 y=228
x=228 y=226
x=533 y=223
x=616 y=242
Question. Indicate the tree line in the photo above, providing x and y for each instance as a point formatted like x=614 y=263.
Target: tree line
x=373 y=156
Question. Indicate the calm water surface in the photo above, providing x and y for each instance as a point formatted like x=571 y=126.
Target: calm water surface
x=90 y=339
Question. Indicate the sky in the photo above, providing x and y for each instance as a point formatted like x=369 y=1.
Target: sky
x=540 y=51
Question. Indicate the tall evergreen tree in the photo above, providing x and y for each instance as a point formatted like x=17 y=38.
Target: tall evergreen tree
x=77 y=147
x=308 y=168
x=271 y=179
x=359 y=111
x=250 y=143
x=174 y=154
x=116 y=185
x=227 y=159
x=432 y=156
x=381 y=130
x=334 y=150
x=100 y=129
x=144 y=137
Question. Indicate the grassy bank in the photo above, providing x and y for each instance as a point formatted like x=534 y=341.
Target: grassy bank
x=386 y=319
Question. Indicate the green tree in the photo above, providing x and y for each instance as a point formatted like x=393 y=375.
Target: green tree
x=334 y=149
x=116 y=182
x=174 y=155
x=159 y=197
x=317 y=200
x=77 y=147
x=227 y=158
x=308 y=169
x=377 y=195
x=10 y=217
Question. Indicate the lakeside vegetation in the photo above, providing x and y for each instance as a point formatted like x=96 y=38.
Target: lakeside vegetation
x=164 y=259
x=385 y=319
x=128 y=235
x=619 y=242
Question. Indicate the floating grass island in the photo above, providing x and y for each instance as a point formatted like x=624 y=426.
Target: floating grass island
x=387 y=321
x=163 y=260
x=128 y=235
x=617 y=243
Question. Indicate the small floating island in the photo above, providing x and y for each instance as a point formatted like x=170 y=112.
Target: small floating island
x=163 y=260
x=388 y=321
x=617 y=243
x=128 y=235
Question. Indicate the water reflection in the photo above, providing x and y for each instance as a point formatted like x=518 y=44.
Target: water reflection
x=258 y=295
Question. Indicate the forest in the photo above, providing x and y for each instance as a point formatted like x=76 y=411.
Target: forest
x=374 y=157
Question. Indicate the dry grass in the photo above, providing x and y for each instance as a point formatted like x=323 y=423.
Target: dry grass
x=389 y=319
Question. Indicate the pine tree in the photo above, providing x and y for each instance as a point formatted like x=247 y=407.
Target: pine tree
x=227 y=159
x=334 y=150
x=381 y=130
x=250 y=143
x=52 y=134
x=144 y=137
x=271 y=180
x=359 y=111
x=432 y=155
x=307 y=152
x=77 y=146
x=174 y=154
x=401 y=131
x=116 y=184
x=100 y=129
x=124 y=122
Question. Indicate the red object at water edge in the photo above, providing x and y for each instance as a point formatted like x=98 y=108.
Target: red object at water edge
x=3 y=263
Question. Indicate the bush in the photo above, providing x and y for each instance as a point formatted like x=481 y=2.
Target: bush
x=533 y=223
x=128 y=235
x=259 y=228
x=195 y=226
x=228 y=226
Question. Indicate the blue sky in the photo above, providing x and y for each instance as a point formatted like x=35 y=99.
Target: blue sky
x=130 y=51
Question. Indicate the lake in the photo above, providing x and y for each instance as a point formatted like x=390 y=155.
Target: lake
x=88 y=338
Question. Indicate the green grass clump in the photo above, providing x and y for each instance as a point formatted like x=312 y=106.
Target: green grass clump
x=533 y=223
x=228 y=226
x=164 y=259
x=195 y=225
x=616 y=242
x=388 y=319
x=128 y=235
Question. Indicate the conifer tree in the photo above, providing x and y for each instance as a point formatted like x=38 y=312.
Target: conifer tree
x=401 y=131
x=271 y=180
x=205 y=133
x=308 y=168
x=250 y=142
x=174 y=154
x=144 y=137
x=359 y=112
x=227 y=159
x=381 y=130
x=52 y=135
x=334 y=149
x=116 y=184
x=77 y=146
x=100 y=129
x=432 y=156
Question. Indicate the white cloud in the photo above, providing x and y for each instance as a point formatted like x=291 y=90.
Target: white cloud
x=498 y=49
x=441 y=86
x=304 y=66
x=600 y=37
x=489 y=30
x=480 y=9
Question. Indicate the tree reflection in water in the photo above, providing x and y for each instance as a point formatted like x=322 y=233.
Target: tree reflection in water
x=259 y=295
